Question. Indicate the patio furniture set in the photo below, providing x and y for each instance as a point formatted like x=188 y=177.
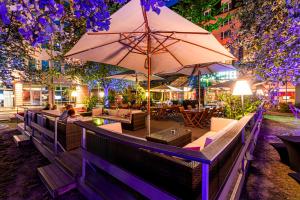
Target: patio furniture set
x=130 y=119
x=166 y=171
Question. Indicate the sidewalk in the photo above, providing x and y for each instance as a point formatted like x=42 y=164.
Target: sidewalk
x=268 y=177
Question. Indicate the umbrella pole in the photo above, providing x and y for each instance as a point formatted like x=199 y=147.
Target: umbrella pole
x=148 y=97
x=149 y=69
x=199 y=89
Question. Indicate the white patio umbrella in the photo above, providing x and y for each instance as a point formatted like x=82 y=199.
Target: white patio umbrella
x=202 y=69
x=134 y=76
x=165 y=88
x=149 y=43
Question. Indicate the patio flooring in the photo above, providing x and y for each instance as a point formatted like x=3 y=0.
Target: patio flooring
x=268 y=177
x=166 y=124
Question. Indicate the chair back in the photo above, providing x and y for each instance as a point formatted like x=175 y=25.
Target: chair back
x=181 y=109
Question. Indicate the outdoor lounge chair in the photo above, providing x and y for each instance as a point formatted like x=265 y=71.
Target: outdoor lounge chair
x=293 y=146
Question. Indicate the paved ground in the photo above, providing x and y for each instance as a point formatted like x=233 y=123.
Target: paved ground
x=18 y=175
x=268 y=178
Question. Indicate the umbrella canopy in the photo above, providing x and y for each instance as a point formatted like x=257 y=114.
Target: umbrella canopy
x=169 y=39
x=165 y=88
x=203 y=69
x=134 y=76
x=149 y=43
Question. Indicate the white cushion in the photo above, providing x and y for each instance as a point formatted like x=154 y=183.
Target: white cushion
x=200 y=141
x=124 y=112
x=223 y=131
x=114 y=127
x=218 y=124
x=97 y=111
x=216 y=132
x=113 y=112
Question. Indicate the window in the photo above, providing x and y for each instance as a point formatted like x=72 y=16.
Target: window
x=32 y=64
x=227 y=6
x=45 y=65
x=206 y=13
x=226 y=22
x=62 y=95
x=225 y=34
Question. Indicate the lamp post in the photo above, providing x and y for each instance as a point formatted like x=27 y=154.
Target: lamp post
x=242 y=88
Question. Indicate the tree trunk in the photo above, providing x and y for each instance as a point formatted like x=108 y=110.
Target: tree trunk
x=297 y=97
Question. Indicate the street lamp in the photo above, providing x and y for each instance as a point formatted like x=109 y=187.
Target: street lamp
x=242 y=88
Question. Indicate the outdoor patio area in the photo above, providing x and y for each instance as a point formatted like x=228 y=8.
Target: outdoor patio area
x=149 y=99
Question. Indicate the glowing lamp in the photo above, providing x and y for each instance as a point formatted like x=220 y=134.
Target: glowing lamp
x=101 y=94
x=242 y=88
x=74 y=94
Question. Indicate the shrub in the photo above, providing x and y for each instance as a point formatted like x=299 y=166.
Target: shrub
x=233 y=105
x=90 y=102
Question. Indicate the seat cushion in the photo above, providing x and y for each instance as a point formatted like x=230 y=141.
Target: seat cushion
x=200 y=142
x=114 y=127
x=113 y=112
x=218 y=124
x=97 y=111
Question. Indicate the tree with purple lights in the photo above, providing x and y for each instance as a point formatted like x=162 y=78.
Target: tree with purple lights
x=270 y=36
x=95 y=75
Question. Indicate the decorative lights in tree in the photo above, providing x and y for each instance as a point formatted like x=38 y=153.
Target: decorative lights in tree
x=94 y=74
x=270 y=34
x=38 y=20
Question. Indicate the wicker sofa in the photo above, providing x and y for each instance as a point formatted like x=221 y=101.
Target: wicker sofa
x=173 y=175
x=130 y=119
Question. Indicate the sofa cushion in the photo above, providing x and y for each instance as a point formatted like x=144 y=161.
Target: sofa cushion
x=208 y=141
x=97 y=111
x=220 y=133
x=116 y=118
x=218 y=124
x=113 y=112
x=200 y=142
x=114 y=127
x=125 y=113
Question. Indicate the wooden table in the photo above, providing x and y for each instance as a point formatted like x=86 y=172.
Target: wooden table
x=179 y=138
